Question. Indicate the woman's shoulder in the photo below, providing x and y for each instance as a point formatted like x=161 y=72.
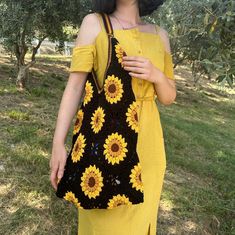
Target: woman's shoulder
x=165 y=38
x=162 y=34
x=92 y=20
x=89 y=29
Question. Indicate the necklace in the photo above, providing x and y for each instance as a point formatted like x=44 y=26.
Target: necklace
x=126 y=27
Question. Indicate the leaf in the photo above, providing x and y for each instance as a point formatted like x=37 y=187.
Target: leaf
x=230 y=81
x=220 y=78
x=206 y=19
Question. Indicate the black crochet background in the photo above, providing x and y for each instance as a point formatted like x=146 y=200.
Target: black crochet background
x=115 y=121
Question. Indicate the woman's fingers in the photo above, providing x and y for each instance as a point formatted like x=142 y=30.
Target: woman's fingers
x=53 y=177
x=137 y=66
x=133 y=63
x=61 y=170
x=57 y=164
x=140 y=67
x=135 y=69
x=138 y=75
x=136 y=58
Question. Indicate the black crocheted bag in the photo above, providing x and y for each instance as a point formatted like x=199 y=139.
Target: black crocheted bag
x=103 y=168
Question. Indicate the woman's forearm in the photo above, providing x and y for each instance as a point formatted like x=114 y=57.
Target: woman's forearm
x=166 y=92
x=68 y=106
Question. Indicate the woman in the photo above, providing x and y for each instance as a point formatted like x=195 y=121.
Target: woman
x=150 y=66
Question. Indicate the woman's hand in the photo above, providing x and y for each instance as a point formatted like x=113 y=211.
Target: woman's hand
x=141 y=67
x=57 y=163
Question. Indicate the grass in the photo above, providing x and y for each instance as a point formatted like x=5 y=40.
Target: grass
x=199 y=133
x=198 y=194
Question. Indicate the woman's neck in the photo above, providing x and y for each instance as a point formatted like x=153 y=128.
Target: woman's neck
x=128 y=13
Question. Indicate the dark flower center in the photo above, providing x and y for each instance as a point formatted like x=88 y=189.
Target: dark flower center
x=91 y=182
x=97 y=119
x=112 y=88
x=136 y=116
x=115 y=147
x=77 y=121
x=77 y=147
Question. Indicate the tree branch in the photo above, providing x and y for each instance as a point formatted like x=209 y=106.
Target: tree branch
x=35 y=49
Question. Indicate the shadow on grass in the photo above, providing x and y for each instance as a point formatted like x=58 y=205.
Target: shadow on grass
x=29 y=203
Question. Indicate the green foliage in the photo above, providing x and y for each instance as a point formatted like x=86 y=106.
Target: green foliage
x=201 y=32
x=22 y=21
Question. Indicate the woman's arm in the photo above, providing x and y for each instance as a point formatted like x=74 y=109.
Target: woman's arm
x=70 y=101
x=165 y=87
x=68 y=106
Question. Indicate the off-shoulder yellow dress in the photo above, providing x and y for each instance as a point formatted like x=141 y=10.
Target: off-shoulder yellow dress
x=140 y=219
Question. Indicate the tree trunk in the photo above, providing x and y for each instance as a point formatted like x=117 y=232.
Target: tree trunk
x=22 y=76
x=23 y=69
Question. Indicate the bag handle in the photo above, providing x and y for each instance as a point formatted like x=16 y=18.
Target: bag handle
x=109 y=30
x=107 y=24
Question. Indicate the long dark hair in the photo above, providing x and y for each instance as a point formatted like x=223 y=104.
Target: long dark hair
x=146 y=7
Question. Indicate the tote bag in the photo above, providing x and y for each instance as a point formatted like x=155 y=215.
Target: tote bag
x=103 y=169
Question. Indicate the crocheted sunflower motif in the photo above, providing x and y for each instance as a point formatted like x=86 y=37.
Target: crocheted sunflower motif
x=97 y=119
x=132 y=116
x=70 y=196
x=119 y=53
x=92 y=181
x=118 y=200
x=135 y=178
x=88 y=93
x=113 y=89
x=78 y=148
x=115 y=148
x=78 y=122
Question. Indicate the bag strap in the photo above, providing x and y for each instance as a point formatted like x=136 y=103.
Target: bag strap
x=107 y=24
x=109 y=30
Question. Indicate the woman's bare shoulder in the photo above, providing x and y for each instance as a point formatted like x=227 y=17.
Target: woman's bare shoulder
x=91 y=19
x=165 y=38
x=89 y=29
x=156 y=29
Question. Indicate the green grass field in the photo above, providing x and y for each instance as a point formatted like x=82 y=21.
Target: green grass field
x=199 y=128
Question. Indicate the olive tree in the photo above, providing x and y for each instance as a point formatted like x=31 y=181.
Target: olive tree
x=202 y=33
x=24 y=21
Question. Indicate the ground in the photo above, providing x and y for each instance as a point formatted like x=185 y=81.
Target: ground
x=199 y=131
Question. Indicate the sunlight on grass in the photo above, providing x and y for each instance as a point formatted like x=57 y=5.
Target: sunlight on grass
x=190 y=226
x=219 y=99
x=4 y=189
x=33 y=199
x=166 y=205
x=18 y=115
x=222 y=87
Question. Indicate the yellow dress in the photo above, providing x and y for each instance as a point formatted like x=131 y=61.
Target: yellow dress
x=140 y=219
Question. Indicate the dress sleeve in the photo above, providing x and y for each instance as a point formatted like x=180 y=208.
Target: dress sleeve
x=168 y=65
x=83 y=57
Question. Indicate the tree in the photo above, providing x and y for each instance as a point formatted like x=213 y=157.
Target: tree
x=22 y=21
x=202 y=33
